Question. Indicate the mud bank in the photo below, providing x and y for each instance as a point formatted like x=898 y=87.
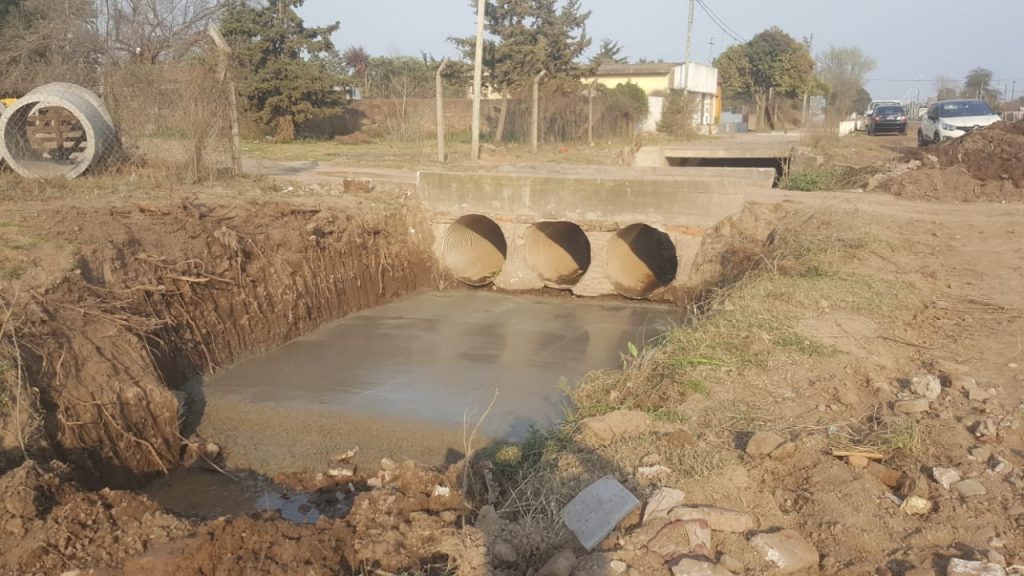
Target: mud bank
x=161 y=294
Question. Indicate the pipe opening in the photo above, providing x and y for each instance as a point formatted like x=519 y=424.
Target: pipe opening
x=47 y=140
x=558 y=251
x=474 y=249
x=641 y=261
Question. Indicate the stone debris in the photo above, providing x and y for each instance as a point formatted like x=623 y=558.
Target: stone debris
x=652 y=472
x=916 y=406
x=694 y=567
x=341 y=472
x=346 y=456
x=594 y=512
x=916 y=506
x=785 y=451
x=560 y=564
x=787 y=550
x=680 y=538
x=661 y=502
x=718 y=519
x=970 y=488
x=603 y=430
x=599 y=564
x=858 y=462
x=762 y=444
x=388 y=465
x=884 y=474
x=958 y=567
x=1000 y=465
x=926 y=386
x=946 y=477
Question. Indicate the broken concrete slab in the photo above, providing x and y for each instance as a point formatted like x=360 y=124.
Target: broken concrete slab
x=594 y=512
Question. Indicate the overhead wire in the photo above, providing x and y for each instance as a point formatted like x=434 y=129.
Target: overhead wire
x=729 y=30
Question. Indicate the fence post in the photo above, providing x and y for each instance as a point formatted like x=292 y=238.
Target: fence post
x=478 y=66
x=590 y=115
x=535 y=121
x=225 y=76
x=439 y=81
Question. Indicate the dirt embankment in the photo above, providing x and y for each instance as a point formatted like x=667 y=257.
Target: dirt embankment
x=983 y=166
x=157 y=294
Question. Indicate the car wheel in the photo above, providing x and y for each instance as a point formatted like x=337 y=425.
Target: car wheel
x=871 y=130
x=937 y=139
x=922 y=142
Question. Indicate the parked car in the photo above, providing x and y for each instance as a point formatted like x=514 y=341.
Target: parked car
x=954 y=118
x=887 y=119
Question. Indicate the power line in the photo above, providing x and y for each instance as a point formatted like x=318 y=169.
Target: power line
x=729 y=31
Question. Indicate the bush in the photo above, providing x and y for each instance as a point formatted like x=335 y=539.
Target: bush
x=677 y=116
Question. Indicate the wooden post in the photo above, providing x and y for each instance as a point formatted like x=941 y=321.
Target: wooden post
x=590 y=117
x=442 y=155
x=535 y=121
x=229 y=82
x=478 y=74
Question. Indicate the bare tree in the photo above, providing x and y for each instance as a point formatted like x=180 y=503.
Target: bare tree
x=147 y=31
x=845 y=70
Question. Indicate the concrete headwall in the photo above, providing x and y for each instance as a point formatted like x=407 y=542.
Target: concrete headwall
x=614 y=231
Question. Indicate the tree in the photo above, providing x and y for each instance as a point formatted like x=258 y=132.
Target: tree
x=147 y=31
x=946 y=88
x=844 y=70
x=46 y=41
x=287 y=69
x=609 y=52
x=978 y=84
x=525 y=37
x=770 y=61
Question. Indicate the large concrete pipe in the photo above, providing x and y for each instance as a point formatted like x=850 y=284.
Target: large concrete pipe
x=641 y=261
x=57 y=130
x=474 y=249
x=559 y=252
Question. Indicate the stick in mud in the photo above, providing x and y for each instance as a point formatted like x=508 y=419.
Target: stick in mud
x=467 y=444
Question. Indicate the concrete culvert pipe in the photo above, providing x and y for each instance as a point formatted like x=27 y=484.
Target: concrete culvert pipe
x=57 y=131
x=558 y=251
x=474 y=250
x=641 y=261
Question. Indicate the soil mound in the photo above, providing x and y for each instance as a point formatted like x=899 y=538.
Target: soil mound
x=983 y=166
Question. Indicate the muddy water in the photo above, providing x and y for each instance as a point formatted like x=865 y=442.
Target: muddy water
x=400 y=380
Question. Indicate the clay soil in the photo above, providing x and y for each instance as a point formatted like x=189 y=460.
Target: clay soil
x=113 y=298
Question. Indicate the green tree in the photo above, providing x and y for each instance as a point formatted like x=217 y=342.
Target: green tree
x=844 y=70
x=770 y=61
x=46 y=41
x=525 y=37
x=287 y=67
x=978 y=84
x=609 y=52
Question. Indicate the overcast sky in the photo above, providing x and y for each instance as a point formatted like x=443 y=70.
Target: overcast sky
x=910 y=40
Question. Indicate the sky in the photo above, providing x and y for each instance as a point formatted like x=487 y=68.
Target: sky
x=913 y=42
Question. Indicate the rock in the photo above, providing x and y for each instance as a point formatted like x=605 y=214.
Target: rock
x=916 y=406
x=920 y=571
x=916 y=506
x=718 y=519
x=346 y=456
x=785 y=451
x=375 y=483
x=449 y=516
x=926 y=386
x=848 y=397
x=694 y=567
x=603 y=430
x=859 y=462
x=996 y=558
x=342 y=472
x=598 y=564
x=970 y=488
x=981 y=453
x=961 y=382
x=388 y=465
x=617 y=567
x=763 y=443
x=787 y=550
x=1000 y=465
x=680 y=538
x=958 y=567
x=680 y=439
x=731 y=564
x=978 y=394
x=560 y=564
x=652 y=472
x=950 y=369
x=884 y=474
x=661 y=502
x=946 y=477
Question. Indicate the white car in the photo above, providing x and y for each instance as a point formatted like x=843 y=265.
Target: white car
x=954 y=118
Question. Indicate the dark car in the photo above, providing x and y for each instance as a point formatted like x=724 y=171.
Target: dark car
x=888 y=119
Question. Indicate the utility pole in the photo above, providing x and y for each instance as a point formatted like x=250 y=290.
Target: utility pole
x=689 y=46
x=442 y=154
x=535 y=116
x=711 y=51
x=1013 y=91
x=478 y=77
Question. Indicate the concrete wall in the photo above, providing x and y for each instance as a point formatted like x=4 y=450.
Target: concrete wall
x=605 y=205
x=651 y=83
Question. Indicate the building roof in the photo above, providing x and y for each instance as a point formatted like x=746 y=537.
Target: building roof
x=655 y=69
